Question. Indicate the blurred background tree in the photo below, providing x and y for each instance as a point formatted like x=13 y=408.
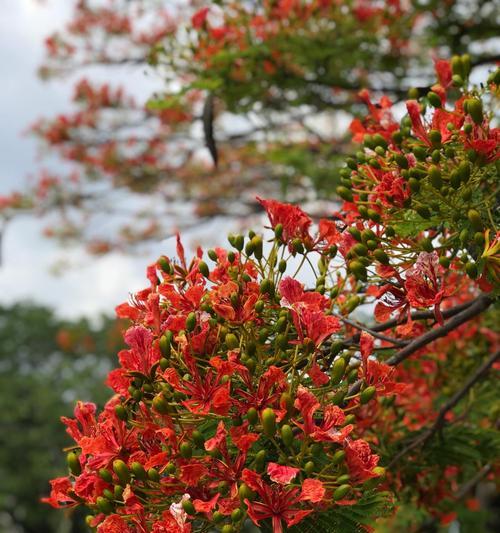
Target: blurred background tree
x=46 y=363
x=253 y=97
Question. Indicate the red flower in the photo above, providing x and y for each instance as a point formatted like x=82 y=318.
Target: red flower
x=59 y=495
x=330 y=430
x=361 y=460
x=281 y=474
x=200 y=17
x=276 y=502
x=443 y=72
x=295 y=222
x=423 y=285
x=312 y=490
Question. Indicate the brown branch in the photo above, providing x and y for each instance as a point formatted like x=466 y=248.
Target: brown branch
x=416 y=315
x=460 y=314
x=448 y=406
x=371 y=331
x=480 y=304
x=469 y=485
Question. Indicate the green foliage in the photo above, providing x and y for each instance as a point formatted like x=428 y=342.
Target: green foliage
x=39 y=383
x=346 y=519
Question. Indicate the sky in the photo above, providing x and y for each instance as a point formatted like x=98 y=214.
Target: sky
x=87 y=286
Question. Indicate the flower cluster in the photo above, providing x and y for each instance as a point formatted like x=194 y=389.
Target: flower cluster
x=245 y=395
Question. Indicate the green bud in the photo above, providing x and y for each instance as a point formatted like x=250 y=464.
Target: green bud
x=337 y=371
x=105 y=475
x=232 y=341
x=435 y=137
x=278 y=231
x=381 y=256
x=154 y=475
x=444 y=261
x=188 y=506
x=245 y=492
x=138 y=470
x=338 y=457
x=104 y=505
x=344 y=193
x=475 y=219
x=435 y=177
x=367 y=394
x=269 y=422
x=74 y=463
x=236 y=515
x=191 y=322
x=203 y=268
x=160 y=405
x=121 y=412
x=186 y=450
x=287 y=435
x=433 y=99
x=252 y=415
x=471 y=270
x=341 y=492
x=122 y=471
x=475 y=110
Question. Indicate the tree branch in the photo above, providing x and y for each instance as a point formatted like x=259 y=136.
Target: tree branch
x=478 y=306
x=448 y=406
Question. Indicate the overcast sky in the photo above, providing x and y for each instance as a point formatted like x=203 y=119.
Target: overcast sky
x=96 y=285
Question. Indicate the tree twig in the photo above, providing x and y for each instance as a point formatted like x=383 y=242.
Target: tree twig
x=469 y=485
x=448 y=406
x=478 y=306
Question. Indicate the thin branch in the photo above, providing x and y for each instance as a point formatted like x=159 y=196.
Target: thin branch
x=469 y=485
x=448 y=406
x=480 y=304
x=460 y=314
x=371 y=331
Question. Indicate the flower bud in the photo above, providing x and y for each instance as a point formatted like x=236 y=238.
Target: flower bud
x=252 y=415
x=122 y=471
x=309 y=468
x=160 y=405
x=237 y=515
x=435 y=177
x=186 y=450
x=191 y=322
x=121 y=412
x=269 y=422
x=344 y=193
x=381 y=256
x=287 y=435
x=188 y=506
x=475 y=219
x=245 y=492
x=434 y=99
x=367 y=394
x=203 y=268
x=232 y=341
x=105 y=475
x=138 y=470
x=475 y=110
x=337 y=371
x=74 y=463
x=104 y=505
x=341 y=492
x=154 y=475
x=338 y=457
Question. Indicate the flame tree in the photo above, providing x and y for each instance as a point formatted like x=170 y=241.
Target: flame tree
x=247 y=396
x=287 y=72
